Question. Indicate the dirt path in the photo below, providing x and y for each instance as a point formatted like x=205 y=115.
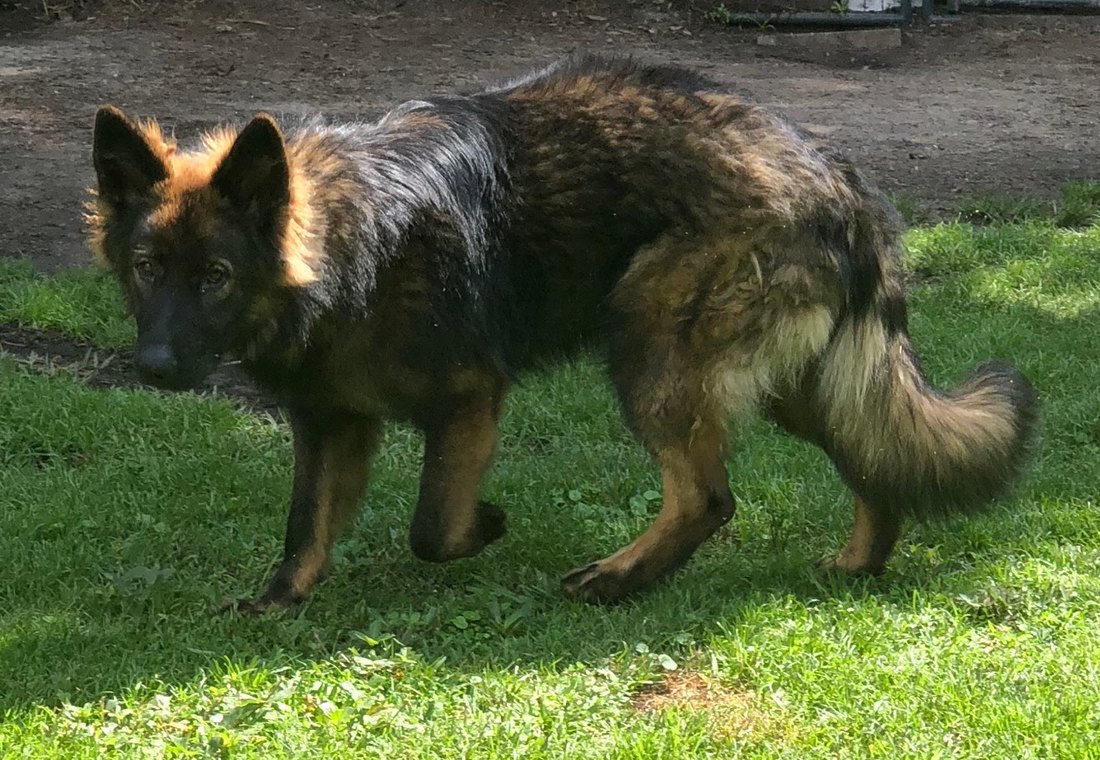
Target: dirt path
x=1005 y=103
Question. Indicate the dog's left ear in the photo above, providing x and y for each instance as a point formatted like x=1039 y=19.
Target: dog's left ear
x=255 y=176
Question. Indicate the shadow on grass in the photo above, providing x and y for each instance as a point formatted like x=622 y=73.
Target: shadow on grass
x=129 y=599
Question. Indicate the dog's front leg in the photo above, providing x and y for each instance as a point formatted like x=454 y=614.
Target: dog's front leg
x=450 y=522
x=332 y=454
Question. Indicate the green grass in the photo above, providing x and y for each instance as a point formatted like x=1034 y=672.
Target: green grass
x=85 y=304
x=1077 y=206
x=912 y=210
x=126 y=516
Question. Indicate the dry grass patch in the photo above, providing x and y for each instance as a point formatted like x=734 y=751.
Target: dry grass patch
x=733 y=714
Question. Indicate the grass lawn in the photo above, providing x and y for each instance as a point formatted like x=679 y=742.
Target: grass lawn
x=126 y=516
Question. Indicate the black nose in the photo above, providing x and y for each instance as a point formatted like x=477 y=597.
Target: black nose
x=157 y=364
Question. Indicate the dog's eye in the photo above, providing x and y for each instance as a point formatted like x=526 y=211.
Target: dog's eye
x=145 y=270
x=215 y=277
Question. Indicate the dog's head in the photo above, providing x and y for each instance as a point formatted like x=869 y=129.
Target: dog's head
x=198 y=240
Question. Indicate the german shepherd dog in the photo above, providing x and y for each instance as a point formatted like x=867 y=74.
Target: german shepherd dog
x=416 y=267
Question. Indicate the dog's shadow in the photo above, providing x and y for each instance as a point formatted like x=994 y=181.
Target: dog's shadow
x=513 y=611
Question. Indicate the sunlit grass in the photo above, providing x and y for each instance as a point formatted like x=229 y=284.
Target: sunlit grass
x=126 y=516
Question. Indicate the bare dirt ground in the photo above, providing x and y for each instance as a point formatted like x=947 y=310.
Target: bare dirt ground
x=1005 y=103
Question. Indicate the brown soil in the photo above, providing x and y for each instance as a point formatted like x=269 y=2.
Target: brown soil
x=685 y=689
x=733 y=714
x=1006 y=103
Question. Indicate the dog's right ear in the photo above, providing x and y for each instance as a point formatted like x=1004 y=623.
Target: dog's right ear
x=125 y=164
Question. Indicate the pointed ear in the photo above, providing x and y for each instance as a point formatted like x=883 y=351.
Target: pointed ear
x=127 y=168
x=255 y=176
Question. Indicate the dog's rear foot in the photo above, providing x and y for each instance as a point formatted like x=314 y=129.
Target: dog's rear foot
x=596 y=583
x=614 y=578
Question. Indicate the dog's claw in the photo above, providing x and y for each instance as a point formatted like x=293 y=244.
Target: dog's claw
x=596 y=583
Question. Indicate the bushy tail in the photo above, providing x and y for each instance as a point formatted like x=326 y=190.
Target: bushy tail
x=903 y=445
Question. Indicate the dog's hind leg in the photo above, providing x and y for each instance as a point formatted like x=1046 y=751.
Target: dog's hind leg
x=874 y=533
x=701 y=330
x=697 y=501
x=669 y=411
x=875 y=529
